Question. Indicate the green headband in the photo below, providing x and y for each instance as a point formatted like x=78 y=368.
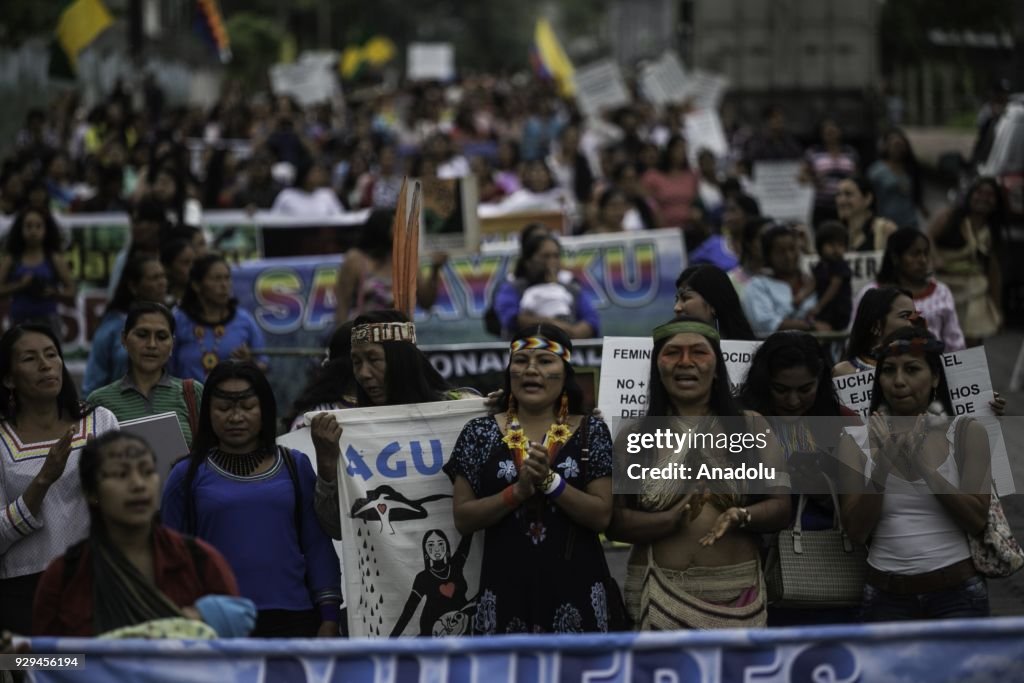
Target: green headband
x=684 y=326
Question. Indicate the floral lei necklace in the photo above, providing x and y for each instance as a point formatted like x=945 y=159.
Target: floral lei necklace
x=558 y=433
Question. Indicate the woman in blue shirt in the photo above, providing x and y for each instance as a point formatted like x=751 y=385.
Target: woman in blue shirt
x=253 y=501
x=211 y=327
x=143 y=280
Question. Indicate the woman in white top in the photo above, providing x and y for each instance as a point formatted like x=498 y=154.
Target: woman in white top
x=43 y=426
x=915 y=498
x=311 y=198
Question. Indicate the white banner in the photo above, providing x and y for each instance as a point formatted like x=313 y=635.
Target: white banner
x=970 y=390
x=864 y=267
x=599 y=87
x=403 y=557
x=309 y=81
x=626 y=368
x=704 y=131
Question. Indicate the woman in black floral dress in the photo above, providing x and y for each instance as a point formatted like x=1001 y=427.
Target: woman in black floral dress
x=537 y=478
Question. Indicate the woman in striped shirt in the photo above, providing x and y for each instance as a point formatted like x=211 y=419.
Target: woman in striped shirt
x=147 y=388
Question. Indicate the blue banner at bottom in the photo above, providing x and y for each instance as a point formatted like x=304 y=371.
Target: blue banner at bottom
x=933 y=652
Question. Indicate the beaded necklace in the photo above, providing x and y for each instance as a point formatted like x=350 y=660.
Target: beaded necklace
x=210 y=357
x=238 y=464
x=558 y=433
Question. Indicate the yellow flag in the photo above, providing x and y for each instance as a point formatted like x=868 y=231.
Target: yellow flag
x=80 y=24
x=553 y=57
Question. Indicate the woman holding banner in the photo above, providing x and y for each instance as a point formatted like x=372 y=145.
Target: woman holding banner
x=695 y=562
x=536 y=478
x=389 y=370
x=916 y=496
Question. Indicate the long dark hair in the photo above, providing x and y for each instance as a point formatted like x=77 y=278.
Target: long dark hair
x=68 y=404
x=933 y=358
x=909 y=162
x=332 y=378
x=134 y=269
x=665 y=159
x=721 y=401
x=874 y=306
x=714 y=285
x=410 y=378
x=530 y=247
x=423 y=546
x=951 y=236
x=204 y=439
x=16 y=237
x=571 y=388
x=782 y=351
x=190 y=300
x=899 y=243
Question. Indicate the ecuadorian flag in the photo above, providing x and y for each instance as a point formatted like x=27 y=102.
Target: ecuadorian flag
x=79 y=25
x=549 y=59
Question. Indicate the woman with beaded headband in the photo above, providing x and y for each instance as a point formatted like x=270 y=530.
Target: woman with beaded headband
x=536 y=478
x=389 y=370
x=698 y=541
x=211 y=327
x=253 y=501
x=913 y=495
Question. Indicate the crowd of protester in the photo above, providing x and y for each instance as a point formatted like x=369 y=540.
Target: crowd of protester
x=242 y=541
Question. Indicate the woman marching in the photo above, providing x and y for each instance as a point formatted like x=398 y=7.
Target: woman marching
x=42 y=431
x=253 y=501
x=918 y=495
x=132 y=570
x=695 y=562
x=536 y=478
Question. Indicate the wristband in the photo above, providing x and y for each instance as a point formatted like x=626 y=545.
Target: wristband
x=329 y=611
x=554 y=485
x=508 y=497
x=745 y=522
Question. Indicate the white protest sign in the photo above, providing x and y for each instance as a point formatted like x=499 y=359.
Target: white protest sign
x=309 y=81
x=970 y=390
x=626 y=368
x=705 y=89
x=430 y=62
x=779 y=192
x=664 y=81
x=704 y=131
x=864 y=267
x=599 y=86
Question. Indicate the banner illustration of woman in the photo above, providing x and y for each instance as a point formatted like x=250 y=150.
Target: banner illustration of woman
x=447 y=612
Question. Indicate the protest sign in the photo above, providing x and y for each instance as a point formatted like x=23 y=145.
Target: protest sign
x=664 y=81
x=310 y=80
x=705 y=90
x=864 y=267
x=430 y=62
x=626 y=369
x=704 y=131
x=600 y=87
x=402 y=547
x=779 y=191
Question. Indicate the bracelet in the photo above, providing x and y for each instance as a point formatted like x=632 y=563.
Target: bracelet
x=745 y=522
x=509 y=498
x=556 y=487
